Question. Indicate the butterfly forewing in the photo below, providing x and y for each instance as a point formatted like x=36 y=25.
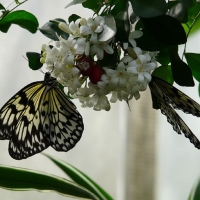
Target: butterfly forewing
x=11 y=112
x=175 y=97
x=38 y=116
x=170 y=98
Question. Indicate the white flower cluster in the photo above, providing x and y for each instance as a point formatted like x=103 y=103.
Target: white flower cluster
x=73 y=62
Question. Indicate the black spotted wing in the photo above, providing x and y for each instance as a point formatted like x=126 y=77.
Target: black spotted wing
x=39 y=116
x=170 y=98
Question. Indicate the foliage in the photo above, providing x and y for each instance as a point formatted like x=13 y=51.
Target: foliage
x=165 y=26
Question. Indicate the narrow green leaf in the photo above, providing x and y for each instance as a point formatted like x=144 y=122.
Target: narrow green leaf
x=195 y=192
x=80 y=178
x=19 y=179
x=22 y=18
x=193 y=60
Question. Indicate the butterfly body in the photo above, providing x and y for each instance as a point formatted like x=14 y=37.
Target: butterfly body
x=38 y=116
x=170 y=98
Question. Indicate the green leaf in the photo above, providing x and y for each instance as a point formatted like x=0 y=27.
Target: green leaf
x=187 y=3
x=34 y=60
x=22 y=18
x=193 y=60
x=165 y=29
x=164 y=72
x=149 y=8
x=52 y=31
x=182 y=74
x=199 y=89
x=94 y=5
x=163 y=57
x=74 y=2
x=118 y=6
x=179 y=12
x=73 y=18
x=19 y=179
x=193 y=13
x=80 y=178
x=123 y=25
x=2 y=7
x=148 y=43
x=195 y=192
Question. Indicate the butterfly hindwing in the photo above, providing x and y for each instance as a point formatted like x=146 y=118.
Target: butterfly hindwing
x=39 y=116
x=170 y=98
x=66 y=125
x=178 y=124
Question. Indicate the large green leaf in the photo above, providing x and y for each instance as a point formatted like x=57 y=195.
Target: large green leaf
x=81 y=179
x=20 y=179
x=22 y=18
x=165 y=29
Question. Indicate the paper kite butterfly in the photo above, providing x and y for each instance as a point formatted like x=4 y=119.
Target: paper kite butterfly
x=38 y=116
x=170 y=98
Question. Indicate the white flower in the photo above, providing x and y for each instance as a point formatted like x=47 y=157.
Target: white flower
x=133 y=35
x=99 y=47
x=100 y=103
x=96 y=26
x=142 y=68
x=118 y=77
x=104 y=85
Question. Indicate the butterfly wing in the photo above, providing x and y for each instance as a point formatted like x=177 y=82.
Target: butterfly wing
x=170 y=98
x=63 y=123
x=178 y=124
x=21 y=123
x=175 y=97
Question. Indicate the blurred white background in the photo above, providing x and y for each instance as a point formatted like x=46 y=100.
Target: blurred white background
x=101 y=151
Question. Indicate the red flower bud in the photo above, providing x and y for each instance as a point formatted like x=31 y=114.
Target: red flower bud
x=95 y=75
x=85 y=66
